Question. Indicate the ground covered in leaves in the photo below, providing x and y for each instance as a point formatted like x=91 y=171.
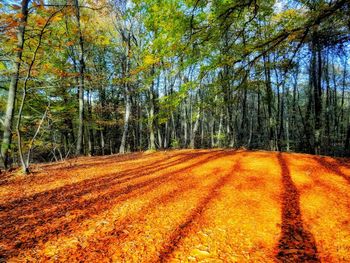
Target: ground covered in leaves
x=179 y=206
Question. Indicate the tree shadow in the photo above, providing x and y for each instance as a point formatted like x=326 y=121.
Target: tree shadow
x=43 y=199
x=75 y=165
x=120 y=231
x=5 y=178
x=81 y=162
x=26 y=222
x=194 y=217
x=296 y=244
x=333 y=167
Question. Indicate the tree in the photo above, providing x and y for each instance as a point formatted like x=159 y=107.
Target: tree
x=20 y=21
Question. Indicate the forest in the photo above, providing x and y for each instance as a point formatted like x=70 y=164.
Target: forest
x=103 y=77
x=175 y=131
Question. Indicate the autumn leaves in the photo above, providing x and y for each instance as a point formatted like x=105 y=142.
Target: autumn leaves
x=189 y=205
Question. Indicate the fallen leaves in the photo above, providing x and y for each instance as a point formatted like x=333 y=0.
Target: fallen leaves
x=179 y=206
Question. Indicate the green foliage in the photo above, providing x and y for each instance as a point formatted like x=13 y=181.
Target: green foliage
x=176 y=57
x=175 y=144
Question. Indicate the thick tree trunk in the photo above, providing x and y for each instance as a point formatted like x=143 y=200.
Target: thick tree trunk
x=126 y=122
x=194 y=131
x=347 y=142
x=219 y=137
x=316 y=77
x=244 y=122
x=212 y=125
x=102 y=142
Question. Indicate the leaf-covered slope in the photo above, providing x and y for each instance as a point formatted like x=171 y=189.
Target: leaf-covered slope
x=179 y=206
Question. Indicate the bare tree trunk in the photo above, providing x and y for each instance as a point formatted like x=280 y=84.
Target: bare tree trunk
x=341 y=115
x=212 y=124
x=250 y=131
x=173 y=129
x=166 y=136
x=81 y=83
x=194 y=131
x=202 y=131
x=219 y=139
x=152 y=137
x=126 y=121
x=287 y=121
x=184 y=120
x=90 y=130
x=347 y=142
x=140 y=126
x=316 y=76
x=269 y=96
x=102 y=142
x=196 y=124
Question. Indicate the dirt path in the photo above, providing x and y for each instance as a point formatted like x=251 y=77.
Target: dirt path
x=179 y=206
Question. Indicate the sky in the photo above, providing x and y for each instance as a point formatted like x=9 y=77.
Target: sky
x=278 y=6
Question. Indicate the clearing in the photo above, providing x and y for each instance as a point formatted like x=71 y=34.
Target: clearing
x=179 y=206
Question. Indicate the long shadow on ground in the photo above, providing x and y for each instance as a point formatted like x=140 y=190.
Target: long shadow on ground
x=47 y=211
x=190 y=222
x=296 y=244
x=36 y=202
x=333 y=167
x=74 y=166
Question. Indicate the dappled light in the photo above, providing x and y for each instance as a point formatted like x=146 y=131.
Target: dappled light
x=179 y=206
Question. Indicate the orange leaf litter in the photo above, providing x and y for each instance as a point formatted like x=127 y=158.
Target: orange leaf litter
x=179 y=206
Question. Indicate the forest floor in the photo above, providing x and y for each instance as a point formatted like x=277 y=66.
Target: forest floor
x=179 y=206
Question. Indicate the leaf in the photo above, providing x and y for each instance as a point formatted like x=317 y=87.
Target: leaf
x=150 y=60
x=200 y=253
x=70 y=43
x=19 y=16
x=40 y=21
x=2 y=66
x=57 y=18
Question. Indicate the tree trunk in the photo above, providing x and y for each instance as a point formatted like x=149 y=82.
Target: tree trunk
x=347 y=142
x=152 y=137
x=316 y=77
x=81 y=83
x=126 y=122
x=11 y=98
x=219 y=137
x=194 y=131
x=90 y=129
x=269 y=97
x=184 y=124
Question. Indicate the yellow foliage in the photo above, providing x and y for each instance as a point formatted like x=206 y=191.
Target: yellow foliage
x=150 y=60
x=57 y=18
x=287 y=14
